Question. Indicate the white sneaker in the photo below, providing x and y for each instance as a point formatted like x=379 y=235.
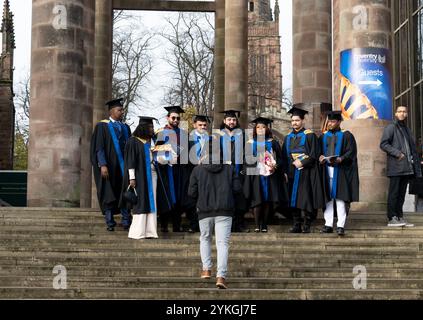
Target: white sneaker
x=394 y=222
x=407 y=224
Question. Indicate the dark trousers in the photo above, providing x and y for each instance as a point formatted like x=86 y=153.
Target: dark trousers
x=192 y=216
x=110 y=221
x=298 y=219
x=396 y=195
x=175 y=215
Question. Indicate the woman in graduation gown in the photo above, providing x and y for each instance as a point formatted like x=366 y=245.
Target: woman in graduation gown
x=264 y=185
x=141 y=174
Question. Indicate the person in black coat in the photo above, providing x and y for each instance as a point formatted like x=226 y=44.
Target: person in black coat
x=107 y=158
x=214 y=186
x=176 y=174
x=300 y=157
x=339 y=172
x=141 y=174
x=403 y=163
x=264 y=184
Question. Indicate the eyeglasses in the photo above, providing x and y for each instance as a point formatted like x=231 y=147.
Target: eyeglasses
x=175 y=118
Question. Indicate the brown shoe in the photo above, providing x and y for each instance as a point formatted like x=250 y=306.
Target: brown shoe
x=205 y=274
x=221 y=283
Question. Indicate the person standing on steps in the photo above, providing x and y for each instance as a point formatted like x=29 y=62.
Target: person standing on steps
x=403 y=163
x=232 y=142
x=107 y=150
x=177 y=174
x=198 y=142
x=141 y=175
x=214 y=185
x=339 y=172
x=264 y=184
x=300 y=156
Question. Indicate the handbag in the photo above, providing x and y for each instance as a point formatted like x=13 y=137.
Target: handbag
x=130 y=195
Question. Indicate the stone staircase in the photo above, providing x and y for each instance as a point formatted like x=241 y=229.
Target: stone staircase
x=277 y=265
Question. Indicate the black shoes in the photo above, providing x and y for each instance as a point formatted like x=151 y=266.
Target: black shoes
x=307 y=228
x=296 y=229
x=327 y=229
x=110 y=229
x=164 y=230
x=340 y=231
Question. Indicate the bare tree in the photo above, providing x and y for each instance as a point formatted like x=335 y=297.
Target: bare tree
x=191 y=58
x=22 y=103
x=132 y=60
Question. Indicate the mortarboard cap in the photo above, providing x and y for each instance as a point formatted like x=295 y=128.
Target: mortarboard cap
x=335 y=115
x=202 y=118
x=297 y=110
x=147 y=120
x=265 y=121
x=231 y=113
x=174 y=109
x=115 y=103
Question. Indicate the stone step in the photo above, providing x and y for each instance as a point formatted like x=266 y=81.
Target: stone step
x=399 y=235
x=195 y=282
x=74 y=229
x=193 y=271
x=287 y=261
x=208 y=294
x=256 y=244
x=165 y=252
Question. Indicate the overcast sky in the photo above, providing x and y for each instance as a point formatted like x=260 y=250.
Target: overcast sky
x=22 y=11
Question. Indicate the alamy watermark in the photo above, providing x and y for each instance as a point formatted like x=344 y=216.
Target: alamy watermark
x=60 y=282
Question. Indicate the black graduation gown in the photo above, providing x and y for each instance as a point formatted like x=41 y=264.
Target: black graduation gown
x=347 y=181
x=135 y=158
x=307 y=194
x=276 y=187
x=108 y=191
x=241 y=204
x=179 y=174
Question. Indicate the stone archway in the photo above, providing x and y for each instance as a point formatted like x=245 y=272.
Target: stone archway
x=71 y=79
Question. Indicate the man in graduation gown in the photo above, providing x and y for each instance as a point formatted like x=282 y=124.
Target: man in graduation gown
x=339 y=172
x=300 y=155
x=232 y=143
x=141 y=174
x=176 y=175
x=198 y=143
x=107 y=149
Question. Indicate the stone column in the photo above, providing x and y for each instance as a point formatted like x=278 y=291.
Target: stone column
x=87 y=92
x=59 y=96
x=219 y=64
x=367 y=24
x=103 y=67
x=236 y=57
x=312 y=59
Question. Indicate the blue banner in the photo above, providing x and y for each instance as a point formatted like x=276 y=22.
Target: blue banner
x=366 y=87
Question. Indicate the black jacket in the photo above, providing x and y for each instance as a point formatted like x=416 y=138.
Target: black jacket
x=214 y=186
x=394 y=142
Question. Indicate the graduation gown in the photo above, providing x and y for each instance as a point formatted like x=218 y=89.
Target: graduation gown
x=259 y=189
x=345 y=180
x=138 y=156
x=175 y=176
x=305 y=185
x=112 y=142
x=237 y=144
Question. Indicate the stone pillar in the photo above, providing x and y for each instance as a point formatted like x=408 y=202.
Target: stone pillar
x=367 y=24
x=219 y=64
x=312 y=60
x=87 y=93
x=59 y=97
x=103 y=68
x=236 y=57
